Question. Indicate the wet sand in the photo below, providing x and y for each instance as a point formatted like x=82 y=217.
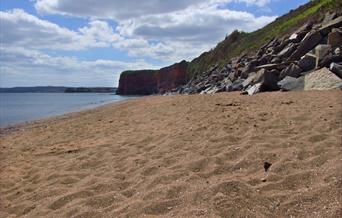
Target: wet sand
x=180 y=156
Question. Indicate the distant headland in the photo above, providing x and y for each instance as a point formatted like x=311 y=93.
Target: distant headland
x=58 y=89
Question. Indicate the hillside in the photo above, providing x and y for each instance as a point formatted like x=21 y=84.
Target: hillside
x=239 y=43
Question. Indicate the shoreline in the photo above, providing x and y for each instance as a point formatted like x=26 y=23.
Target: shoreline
x=81 y=109
x=180 y=156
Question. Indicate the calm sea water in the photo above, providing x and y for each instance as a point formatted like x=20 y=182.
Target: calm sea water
x=21 y=107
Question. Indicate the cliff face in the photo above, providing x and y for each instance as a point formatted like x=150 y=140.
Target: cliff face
x=141 y=82
x=172 y=77
x=147 y=82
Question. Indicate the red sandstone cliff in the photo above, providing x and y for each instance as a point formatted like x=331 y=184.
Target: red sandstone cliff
x=146 y=82
x=172 y=77
x=140 y=82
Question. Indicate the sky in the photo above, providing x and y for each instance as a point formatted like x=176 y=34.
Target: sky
x=90 y=42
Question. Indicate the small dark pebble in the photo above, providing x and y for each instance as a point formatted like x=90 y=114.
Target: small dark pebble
x=267 y=165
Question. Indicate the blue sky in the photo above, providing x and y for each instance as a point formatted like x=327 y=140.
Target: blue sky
x=88 y=42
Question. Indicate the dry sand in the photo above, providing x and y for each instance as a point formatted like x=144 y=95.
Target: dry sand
x=181 y=156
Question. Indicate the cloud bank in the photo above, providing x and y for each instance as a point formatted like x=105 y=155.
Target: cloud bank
x=160 y=30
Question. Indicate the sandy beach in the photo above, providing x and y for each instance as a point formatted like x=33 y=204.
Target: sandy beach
x=180 y=156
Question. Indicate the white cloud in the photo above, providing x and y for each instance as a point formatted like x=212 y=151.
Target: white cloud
x=31 y=66
x=120 y=10
x=168 y=37
x=29 y=31
x=164 y=30
x=187 y=33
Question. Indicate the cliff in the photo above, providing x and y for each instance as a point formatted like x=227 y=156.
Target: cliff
x=171 y=77
x=140 y=82
x=147 y=82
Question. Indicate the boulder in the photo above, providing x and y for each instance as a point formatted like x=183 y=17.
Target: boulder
x=281 y=46
x=293 y=71
x=307 y=62
x=336 y=69
x=228 y=85
x=288 y=50
x=226 y=82
x=263 y=60
x=328 y=59
x=325 y=29
x=249 y=80
x=267 y=79
x=335 y=38
x=248 y=69
x=291 y=83
x=309 y=42
x=237 y=85
x=297 y=37
x=210 y=90
x=321 y=51
x=322 y=79
x=232 y=75
x=268 y=67
x=328 y=17
x=254 y=89
x=276 y=60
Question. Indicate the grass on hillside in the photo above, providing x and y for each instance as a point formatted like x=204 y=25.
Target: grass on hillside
x=245 y=42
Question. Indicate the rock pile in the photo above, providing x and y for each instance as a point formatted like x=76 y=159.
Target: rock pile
x=311 y=58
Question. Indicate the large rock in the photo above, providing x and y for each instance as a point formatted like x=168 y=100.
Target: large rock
x=281 y=46
x=291 y=84
x=321 y=51
x=309 y=42
x=322 y=79
x=335 y=38
x=297 y=37
x=292 y=70
x=328 y=59
x=254 y=89
x=248 y=69
x=237 y=85
x=249 y=80
x=328 y=17
x=288 y=50
x=336 y=69
x=270 y=66
x=325 y=29
x=307 y=62
x=267 y=79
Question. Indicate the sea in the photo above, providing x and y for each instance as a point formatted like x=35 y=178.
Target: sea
x=17 y=108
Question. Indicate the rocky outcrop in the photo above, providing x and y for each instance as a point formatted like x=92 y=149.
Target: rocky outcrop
x=147 y=82
x=141 y=82
x=171 y=77
x=283 y=63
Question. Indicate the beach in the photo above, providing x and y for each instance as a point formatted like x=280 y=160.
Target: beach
x=180 y=156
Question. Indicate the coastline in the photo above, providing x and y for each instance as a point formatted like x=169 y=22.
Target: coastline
x=68 y=111
x=182 y=155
